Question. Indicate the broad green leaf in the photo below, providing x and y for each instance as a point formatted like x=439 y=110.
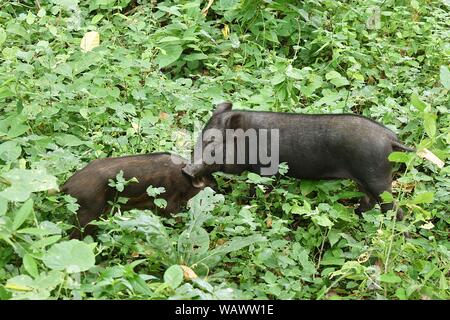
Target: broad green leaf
x=172 y=10
x=334 y=236
x=5 y=93
x=257 y=179
x=95 y=19
x=390 y=278
x=337 y=79
x=195 y=56
x=173 y=276
x=30 y=265
x=24 y=182
x=444 y=76
x=399 y=157
x=387 y=197
x=417 y=102
x=22 y=214
x=67 y=4
x=277 y=78
x=193 y=242
x=237 y=243
x=71 y=256
x=170 y=39
x=294 y=73
x=20 y=283
x=42 y=243
x=168 y=55
x=2 y=36
x=10 y=151
x=3 y=206
x=160 y=203
x=322 y=220
x=429 y=123
x=424 y=197
x=68 y=140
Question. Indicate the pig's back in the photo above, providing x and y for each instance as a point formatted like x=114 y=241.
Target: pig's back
x=325 y=146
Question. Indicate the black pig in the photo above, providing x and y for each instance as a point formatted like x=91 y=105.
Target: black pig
x=90 y=185
x=328 y=146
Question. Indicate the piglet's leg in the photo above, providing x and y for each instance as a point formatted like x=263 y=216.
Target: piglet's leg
x=84 y=217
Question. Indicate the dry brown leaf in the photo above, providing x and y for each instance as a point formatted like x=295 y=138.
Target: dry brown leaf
x=188 y=273
x=406 y=187
x=364 y=257
x=430 y=156
x=220 y=242
x=163 y=115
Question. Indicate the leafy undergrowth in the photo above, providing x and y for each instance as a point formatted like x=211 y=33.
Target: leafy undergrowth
x=158 y=69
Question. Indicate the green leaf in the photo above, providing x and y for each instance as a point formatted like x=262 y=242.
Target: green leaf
x=160 y=203
x=22 y=214
x=67 y=4
x=42 y=243
x=390 y=278
x=173 y=276
x=237 y=243
x=169 y=54
x=3 y=206
x=322 y=220
x=2 y=36
x=444 y=75
x=294 y=73
x=10 y=151
x=277 y=78
x=195 y=56
x=71 y=256
x=399 y=157
x=96 y=18
x=30 y=265
x=417 y=102
x=429 y=123
x=334 y=236
x=257 y=179
x=68 y=140
x=387 y=197
x=24 y=182
x=193 y=242
x=337 y=79
x=425 y=197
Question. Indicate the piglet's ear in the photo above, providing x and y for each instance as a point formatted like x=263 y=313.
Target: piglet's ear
x=222 y=107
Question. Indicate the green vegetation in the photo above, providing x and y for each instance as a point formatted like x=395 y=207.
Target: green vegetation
x=159 y=68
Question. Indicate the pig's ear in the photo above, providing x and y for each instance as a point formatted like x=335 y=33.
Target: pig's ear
x=232 y=121
x=222 y=107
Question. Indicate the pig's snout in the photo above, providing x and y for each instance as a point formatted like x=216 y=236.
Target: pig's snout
x=193 y=170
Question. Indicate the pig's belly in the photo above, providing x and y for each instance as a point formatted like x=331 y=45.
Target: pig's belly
x=316 y=168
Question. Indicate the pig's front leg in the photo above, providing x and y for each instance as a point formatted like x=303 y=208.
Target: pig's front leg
x=84 y=216
x=372 y=190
